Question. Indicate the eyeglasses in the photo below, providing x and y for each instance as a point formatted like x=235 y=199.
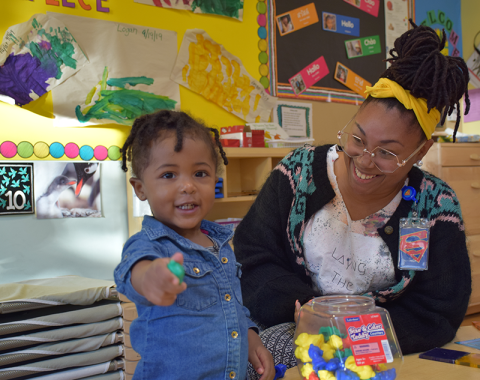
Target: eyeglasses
x=384 y=160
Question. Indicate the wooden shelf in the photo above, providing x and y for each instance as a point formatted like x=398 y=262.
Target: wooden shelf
x=256 y=152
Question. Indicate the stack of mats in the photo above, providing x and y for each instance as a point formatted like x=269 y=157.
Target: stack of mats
x=131 y=357
x=60 y=329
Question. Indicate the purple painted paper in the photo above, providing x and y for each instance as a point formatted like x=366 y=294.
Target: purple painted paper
x=474 y=113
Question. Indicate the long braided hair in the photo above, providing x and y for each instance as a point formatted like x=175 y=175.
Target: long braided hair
x=149 y=128
x=418 y=65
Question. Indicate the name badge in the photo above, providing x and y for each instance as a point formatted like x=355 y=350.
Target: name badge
x=413 y=244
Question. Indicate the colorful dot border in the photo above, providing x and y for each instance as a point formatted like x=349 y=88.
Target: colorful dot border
x=71 y=151
x=263 y=69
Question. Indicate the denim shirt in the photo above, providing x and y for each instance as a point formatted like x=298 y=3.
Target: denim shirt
x=204 y=334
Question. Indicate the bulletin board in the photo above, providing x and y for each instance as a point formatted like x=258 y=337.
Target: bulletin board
x=28 y=132
x=290 y=53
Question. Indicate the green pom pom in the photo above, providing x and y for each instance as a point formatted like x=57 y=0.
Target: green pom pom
x=176 y=269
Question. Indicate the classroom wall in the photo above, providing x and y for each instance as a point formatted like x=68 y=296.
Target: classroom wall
x=32 y=248
x=470 y=27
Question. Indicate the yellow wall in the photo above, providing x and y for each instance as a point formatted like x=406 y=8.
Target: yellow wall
x=470 y=27
x=239 y=38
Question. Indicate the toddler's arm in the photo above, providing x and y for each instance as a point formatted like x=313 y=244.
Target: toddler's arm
x=153 y=280
x=260 y=357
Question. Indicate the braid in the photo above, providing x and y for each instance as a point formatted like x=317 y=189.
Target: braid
x=219 y=145
x=149 y=128
x=418 y=65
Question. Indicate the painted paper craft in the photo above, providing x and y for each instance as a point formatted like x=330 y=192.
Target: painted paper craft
x=206 y=68
x=128 y=75
x=16 y=189
x=67 y=190
x=229 y=8
x=36 y=56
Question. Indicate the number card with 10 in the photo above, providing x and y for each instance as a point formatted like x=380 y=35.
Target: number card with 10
x=16 y=189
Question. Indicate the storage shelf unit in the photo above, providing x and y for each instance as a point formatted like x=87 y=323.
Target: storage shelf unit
x=243 y=177
x=459 y=166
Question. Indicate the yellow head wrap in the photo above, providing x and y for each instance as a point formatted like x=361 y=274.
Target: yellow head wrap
x=386 y=88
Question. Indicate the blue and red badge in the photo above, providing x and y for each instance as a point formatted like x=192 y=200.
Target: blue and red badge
x=414 y=238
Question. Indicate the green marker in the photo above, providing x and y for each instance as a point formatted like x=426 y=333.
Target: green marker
x=176 y=269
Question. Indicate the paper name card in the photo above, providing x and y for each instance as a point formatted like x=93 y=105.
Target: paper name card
x=341 y=24
x=297 y=19
x=363 y=46
x=309 y=76
x=350 y=79
x=369 y=6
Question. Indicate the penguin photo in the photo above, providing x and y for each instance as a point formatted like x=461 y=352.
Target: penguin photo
x=68 y=190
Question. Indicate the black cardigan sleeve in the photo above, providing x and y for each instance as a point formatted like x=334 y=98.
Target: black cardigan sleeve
x=271 y=279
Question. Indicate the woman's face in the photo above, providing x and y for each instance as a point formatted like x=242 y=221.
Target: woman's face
x=387 y=128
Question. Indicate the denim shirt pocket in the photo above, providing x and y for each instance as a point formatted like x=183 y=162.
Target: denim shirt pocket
x=236 y=282
x=202 y=290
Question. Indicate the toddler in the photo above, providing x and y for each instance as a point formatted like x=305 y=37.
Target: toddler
x=197 y=328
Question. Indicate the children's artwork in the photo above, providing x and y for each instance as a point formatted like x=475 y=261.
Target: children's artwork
x=229 y=8
x=206 y=68
x=446 y=15
x=309 y=76
x=363 y=46
x=297 y=19
x=67 y=190
x=341 y=24
x=128 y=75
x=350 y=79
x=473 y=64
x=36 y=56
x=16 y=189
x=396 y=22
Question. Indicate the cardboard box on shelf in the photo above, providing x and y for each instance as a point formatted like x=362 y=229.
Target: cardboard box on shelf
x=248 y=138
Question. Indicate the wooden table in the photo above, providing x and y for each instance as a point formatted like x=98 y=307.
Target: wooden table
x=414 y=368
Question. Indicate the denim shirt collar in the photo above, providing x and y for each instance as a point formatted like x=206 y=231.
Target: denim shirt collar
x=155 y=229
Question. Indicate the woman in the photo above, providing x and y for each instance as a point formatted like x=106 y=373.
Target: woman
x=327 y=220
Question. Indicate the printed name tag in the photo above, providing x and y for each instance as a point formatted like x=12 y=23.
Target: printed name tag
x=309 y=76
x=297 y=19
x=369 y=6
x=341 y=24
x=348 y=78
x=363 y=46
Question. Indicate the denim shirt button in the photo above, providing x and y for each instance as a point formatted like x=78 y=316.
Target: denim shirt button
x=234 y=334
x=232 y=375
x=196 y=270
x=224 y=260
x=228 y=297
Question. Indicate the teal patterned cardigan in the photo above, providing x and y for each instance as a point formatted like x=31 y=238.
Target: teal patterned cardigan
x=426 y=307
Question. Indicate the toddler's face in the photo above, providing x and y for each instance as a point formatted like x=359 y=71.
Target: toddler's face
x=179 y=186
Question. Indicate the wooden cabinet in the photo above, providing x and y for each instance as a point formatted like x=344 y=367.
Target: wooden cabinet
x=243 y=177
x=459 y=165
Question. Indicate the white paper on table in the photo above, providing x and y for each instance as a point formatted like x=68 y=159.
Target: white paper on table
x=226 y=8
x=206 y=68
x=128 y=51
x=294 y=117
x=56 y=55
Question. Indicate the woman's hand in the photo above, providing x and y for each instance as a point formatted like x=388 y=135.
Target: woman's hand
x=260 y=357
x=154 y=281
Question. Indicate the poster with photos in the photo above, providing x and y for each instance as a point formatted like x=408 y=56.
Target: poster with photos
x=68 y=190
x=16 y=190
